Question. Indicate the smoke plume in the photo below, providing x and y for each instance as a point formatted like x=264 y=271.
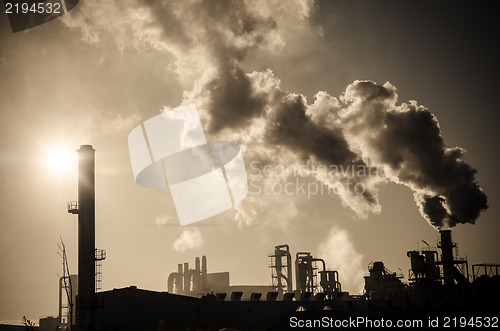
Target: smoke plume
x=406 y=141
x=339 y=254
x=365 y=127
x=189 y=239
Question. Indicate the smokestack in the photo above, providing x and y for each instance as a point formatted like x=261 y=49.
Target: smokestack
x=86 y=239
x=187 y=287
x=204 y=284
x=197 y=276
x=179 y=281
x=446 y=246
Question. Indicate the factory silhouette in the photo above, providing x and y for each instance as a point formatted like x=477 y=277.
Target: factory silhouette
x=439 y=284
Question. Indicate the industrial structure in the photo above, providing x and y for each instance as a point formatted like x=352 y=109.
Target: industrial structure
x=90 y=258
x=68 y=290
x=198 y=282
x=446 y=276
x=281 y=266
x=439 y=282
x=383 y=284
x=196 y=299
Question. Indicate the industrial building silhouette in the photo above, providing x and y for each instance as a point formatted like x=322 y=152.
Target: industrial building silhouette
x=198 y=300
x=439 y=285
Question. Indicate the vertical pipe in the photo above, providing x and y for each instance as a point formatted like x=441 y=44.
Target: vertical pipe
x=60 y=300
x=278 y=267
x=86 y=238
x=187 y=288
x=204 y=284
x=179 y=281
x=197 y=275
x=298 y=286
x=289 y=281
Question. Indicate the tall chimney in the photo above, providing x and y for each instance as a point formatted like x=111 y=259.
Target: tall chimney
x=204 y=283
x=447 y=257
x=180 y=279
x=187 y=281
x=86 y=239
x=197 y=276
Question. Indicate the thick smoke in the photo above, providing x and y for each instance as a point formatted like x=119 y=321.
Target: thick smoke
x=365 y=127
x=367 y=130
x=370 y=129
x=406 y=141
x=340 y=254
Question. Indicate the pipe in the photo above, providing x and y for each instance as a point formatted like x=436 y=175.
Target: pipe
x=204 y=284
x=187 y=287
x=197 y=264
x=337 y=281
x=189 y=276
x=60 y=300
x=303 y=271
x=322 y=261
x=197 y=275
x=289 y=281
x=172 y=278
x=179 y=281
x=278 y=266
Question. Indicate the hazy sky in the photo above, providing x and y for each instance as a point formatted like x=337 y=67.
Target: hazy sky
x=294 y=83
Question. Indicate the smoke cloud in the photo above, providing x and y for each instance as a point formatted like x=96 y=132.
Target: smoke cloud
x=163 y=220
x=340 y=254
x=406 y=141
x=209 y=42
x=371 y=130
x=189 y=239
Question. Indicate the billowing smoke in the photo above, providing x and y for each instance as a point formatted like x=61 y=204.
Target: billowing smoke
x=406 y=141
x=365 y=128
x=370 y=130
x=340 y=254
x=189 y=239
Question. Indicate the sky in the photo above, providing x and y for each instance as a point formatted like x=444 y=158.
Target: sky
x=405 y=89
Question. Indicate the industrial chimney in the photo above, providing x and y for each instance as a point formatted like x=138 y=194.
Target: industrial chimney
x=204 y=282
x=446 y=246
x=86 y=239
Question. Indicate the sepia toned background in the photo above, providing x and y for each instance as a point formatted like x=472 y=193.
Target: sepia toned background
x=283 y=79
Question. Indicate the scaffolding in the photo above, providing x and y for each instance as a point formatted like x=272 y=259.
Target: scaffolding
x=67 y=291
x=487 y=269
x=281 y=269
x=100 y=255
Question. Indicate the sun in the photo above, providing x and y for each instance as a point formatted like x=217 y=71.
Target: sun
x=60 y=160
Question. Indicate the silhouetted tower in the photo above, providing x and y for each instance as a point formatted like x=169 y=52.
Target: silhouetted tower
x=447 y=246
x=455 y=269
x=204 y=284
x=281 y=269
x=86 y=239
x=306 y=272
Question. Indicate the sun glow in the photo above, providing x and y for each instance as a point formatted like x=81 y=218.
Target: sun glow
x=60 y=160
